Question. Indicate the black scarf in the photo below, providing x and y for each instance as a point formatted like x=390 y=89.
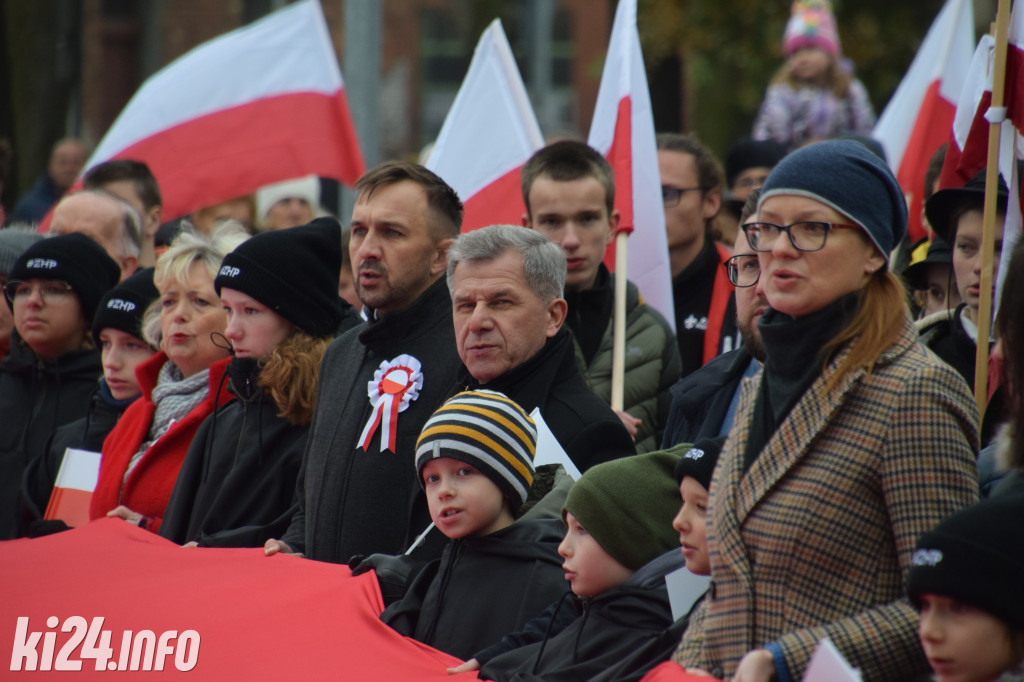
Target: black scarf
x=794 y=360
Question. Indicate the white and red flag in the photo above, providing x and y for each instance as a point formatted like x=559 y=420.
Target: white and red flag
x=489 y=133
x=1010 y=153
x=623 y=130
x=968 y=141
x=920 y=113
x=263 y=103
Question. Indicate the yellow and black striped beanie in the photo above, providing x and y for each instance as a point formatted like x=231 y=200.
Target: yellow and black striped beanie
x=488 y=430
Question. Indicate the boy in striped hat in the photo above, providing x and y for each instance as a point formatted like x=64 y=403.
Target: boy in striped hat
x=475 y=463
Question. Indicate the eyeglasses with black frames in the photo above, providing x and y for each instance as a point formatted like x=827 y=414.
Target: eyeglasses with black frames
x=670 y=196
x=808 y=235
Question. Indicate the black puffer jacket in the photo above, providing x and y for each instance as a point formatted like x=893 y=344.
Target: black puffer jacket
x=483 y=588
x=236 y=487
x=36 y=397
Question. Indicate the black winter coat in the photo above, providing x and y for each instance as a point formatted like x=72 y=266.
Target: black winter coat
x=608 y=628
x=36 y=397
x=586 y=428
x=236 y=487
x=353 y=501
x=701 y=400
x=483 y=588
x=87 y=433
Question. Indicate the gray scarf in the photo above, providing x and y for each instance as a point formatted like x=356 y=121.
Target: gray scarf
x=174 y=397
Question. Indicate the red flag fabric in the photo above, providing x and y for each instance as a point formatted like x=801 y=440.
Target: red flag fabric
x=489 y=133
x=920 y=113
x=623 y=130
x=673 y=672
x=967 y=152
x=234 y=613
x=260 y=104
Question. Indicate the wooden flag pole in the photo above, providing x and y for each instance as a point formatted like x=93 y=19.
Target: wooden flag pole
x=619 y=325
x=989 y=221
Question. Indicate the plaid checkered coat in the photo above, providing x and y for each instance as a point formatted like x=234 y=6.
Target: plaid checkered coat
x=816 y=538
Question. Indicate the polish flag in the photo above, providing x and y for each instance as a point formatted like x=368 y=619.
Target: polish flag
x=968 y=141
x=920 y=113
x=1011 y=152
x=623 y=130
x=489 y=133
x=260 y=104
x=72 y=491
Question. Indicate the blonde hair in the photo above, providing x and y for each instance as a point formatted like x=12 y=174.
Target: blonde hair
x=290 y=375
x=187 y=249
x=879 y=321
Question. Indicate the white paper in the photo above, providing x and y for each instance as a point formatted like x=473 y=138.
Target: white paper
x=684 y=589
x=828 y=665
x=549 y=450
x=79 y=470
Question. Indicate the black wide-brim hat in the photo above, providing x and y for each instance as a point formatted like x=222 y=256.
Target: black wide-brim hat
x=941 y=206
x=939 y=253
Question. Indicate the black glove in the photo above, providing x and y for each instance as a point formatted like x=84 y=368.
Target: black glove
x=394 y=572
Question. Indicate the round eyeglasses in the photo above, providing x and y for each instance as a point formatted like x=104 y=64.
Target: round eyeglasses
x=743 y=270
x=670 y=195
x=809 y=235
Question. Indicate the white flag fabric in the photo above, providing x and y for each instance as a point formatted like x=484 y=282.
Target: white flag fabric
x=489 y=133
x=623 y=130
x=263 y=103
x=918 y=117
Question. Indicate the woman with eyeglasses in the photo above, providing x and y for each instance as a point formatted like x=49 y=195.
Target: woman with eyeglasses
x=181 y=385
x=53 y=366
x=851 y=442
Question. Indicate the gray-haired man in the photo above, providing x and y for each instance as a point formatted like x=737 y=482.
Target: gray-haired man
x=506 y=284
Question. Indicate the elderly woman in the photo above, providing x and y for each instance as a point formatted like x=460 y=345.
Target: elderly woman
x=181 y=385
x=51 y=372
x=280 y=290
x=834 y=466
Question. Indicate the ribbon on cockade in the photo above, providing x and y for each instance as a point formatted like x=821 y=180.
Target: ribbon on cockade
x=395 y=383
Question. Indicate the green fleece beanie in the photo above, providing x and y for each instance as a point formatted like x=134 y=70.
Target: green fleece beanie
x=628 y=504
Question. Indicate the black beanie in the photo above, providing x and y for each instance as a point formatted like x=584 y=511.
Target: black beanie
x=75 y=259
x=123 y=306
x=698 y=460
x=975 y=556
x=294 y=272
x=749 y=153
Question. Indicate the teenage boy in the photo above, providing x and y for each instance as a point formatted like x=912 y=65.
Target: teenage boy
x=617 y=550
x=474 y=460
x=569 y=192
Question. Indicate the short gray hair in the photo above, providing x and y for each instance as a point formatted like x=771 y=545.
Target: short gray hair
x=543 y=261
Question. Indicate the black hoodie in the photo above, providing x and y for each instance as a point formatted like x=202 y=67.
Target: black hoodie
x=607 y=629
x=483 y=588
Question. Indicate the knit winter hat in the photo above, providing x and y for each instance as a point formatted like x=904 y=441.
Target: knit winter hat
x=75 y=259
x=811 y=24
x=628 y=504
x=13 y=243
x=940 y=206
x=293 y=272
x=846 y=176
x=698 y=460
x=123 y=306
x=975 y=556
x=488 y=430
x=307 y=188
x=751 y=154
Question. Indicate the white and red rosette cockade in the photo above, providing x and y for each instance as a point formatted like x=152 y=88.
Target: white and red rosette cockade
x=395 y=383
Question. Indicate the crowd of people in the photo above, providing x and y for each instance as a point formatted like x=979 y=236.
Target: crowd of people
x=802 y=430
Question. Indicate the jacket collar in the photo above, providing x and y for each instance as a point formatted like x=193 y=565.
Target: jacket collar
x=529 y=383
x=148 y=373
x=416 y=319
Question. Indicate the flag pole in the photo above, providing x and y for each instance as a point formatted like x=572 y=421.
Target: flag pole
x=989 y=220
x=619 y=316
